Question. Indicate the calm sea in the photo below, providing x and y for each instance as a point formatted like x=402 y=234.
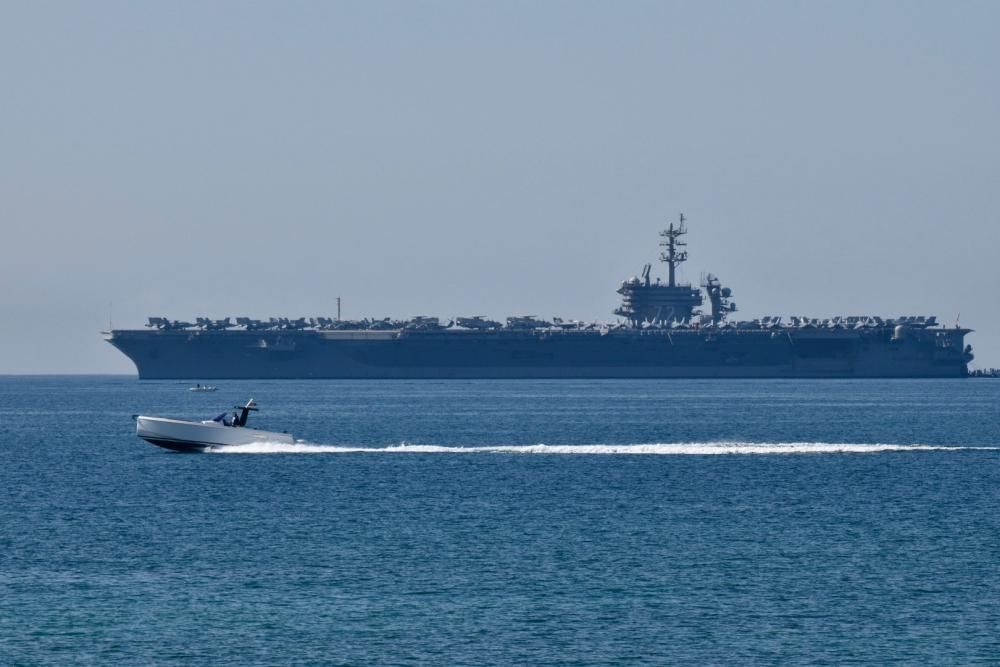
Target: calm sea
x=505 y=523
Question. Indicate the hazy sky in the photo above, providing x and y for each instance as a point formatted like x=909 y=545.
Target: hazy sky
x=459 y=158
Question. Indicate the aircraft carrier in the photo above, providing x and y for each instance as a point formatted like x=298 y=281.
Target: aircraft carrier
x=662 y=332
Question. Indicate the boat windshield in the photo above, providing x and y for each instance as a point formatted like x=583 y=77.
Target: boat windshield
x=221 y=418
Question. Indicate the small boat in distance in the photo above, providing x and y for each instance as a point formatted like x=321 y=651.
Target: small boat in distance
x=190 y=436
x=201 y=387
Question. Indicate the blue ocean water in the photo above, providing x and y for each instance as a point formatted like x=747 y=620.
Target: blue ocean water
x=505 y=522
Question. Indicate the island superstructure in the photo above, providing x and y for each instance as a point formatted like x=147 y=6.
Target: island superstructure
x=663 y=333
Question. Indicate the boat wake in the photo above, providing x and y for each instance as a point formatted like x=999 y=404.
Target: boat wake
x=681 y=448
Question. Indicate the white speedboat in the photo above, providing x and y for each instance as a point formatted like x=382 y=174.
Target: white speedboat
x=203 y=387
x=188 y=436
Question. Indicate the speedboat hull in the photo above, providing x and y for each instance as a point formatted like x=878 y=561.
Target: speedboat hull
x=187 y=436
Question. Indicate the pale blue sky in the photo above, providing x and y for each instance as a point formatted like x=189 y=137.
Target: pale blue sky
x=239 y=158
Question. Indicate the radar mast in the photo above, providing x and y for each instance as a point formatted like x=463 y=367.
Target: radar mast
x=673 y=257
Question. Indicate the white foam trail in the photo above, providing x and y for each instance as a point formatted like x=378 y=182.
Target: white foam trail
x=681 y=448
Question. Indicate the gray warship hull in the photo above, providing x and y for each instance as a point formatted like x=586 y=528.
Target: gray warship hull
x=664 y=335
x=878 y=352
